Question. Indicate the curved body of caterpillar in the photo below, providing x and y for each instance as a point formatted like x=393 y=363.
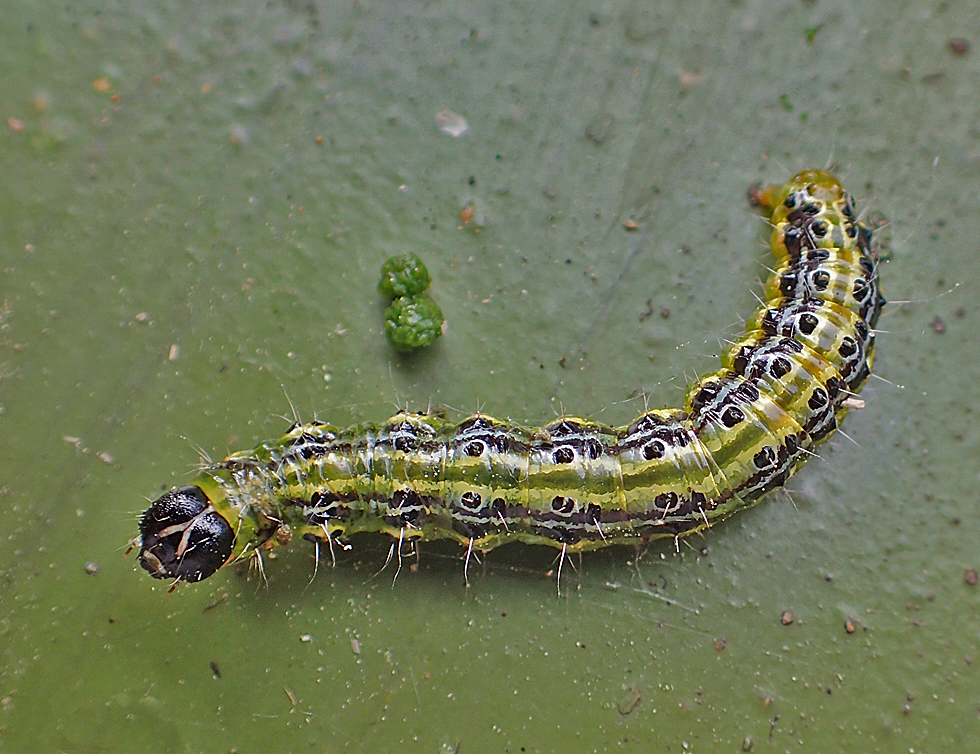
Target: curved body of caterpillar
x=573 y=484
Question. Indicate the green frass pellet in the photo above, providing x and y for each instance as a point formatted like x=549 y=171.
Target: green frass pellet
x=413 y=322
x=403 y=275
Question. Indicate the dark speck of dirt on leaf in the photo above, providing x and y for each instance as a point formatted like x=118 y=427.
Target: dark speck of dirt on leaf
x=600 y=128
x=959 y=46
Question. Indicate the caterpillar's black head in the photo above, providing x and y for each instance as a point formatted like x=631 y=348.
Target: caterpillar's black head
x=183 y=538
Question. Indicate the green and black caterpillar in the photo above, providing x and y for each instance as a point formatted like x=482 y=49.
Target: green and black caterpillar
x=573 y=484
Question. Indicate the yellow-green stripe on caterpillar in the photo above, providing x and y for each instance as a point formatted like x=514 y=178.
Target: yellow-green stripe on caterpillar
x=573 y=484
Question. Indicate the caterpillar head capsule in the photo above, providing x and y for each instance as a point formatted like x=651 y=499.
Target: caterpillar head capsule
x=182 y=537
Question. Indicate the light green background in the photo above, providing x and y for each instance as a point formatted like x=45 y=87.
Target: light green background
x=196 y=200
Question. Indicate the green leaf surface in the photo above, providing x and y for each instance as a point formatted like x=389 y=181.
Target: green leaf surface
x=196 y=201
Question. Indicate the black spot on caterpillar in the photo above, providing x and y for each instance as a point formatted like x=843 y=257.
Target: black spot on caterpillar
x=574 y=484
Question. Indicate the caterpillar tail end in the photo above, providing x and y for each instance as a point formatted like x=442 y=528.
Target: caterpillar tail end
x=772 y=196
x=183 y=538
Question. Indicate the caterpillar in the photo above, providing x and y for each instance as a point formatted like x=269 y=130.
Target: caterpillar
x=574 y=484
